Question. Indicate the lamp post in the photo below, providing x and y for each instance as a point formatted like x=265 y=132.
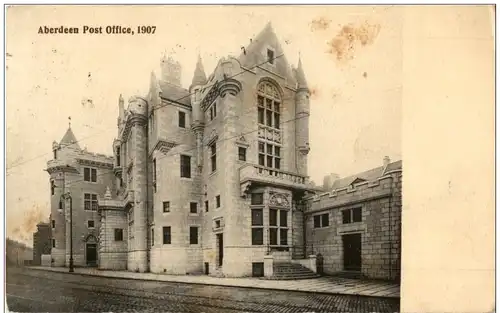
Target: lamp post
x=66 y=196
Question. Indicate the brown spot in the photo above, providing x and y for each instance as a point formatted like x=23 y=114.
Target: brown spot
x=365 y=75
x=314 y=93
x=350 y=36
x=32 y=217
x=320 y=24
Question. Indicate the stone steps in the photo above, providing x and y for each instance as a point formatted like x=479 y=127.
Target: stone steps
x=291 y=271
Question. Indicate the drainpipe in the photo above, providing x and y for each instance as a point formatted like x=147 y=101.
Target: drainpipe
x=148 y=226
x=390 y=228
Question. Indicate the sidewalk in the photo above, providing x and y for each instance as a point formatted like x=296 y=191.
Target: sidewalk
x=325 y=285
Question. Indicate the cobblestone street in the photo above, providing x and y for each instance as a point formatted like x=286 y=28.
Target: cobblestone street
x=39 y=291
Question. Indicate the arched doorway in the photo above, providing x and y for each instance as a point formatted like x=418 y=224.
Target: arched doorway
x=91 y=250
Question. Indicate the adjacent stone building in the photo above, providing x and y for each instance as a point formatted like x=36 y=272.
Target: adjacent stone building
x=210 y=179
x=83 y=176
x=42 y=242
x=356 y=224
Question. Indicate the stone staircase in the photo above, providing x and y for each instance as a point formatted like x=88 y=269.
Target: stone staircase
x=291 y=271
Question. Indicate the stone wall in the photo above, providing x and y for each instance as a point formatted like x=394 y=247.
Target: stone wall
x=380 y=226
x=113 y=254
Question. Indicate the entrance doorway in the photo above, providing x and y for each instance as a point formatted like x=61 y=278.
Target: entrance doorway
x=220 y=249
x=352 y=252
x=91 y=254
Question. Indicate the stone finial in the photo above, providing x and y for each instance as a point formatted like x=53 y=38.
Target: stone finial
x=387 y=160
x=107 y=195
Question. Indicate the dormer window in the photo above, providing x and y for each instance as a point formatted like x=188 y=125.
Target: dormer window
x=270 y=56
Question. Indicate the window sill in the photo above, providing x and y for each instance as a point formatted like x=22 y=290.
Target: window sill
x=186 y=178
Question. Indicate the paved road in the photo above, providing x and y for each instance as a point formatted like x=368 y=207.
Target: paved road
x=39 y=291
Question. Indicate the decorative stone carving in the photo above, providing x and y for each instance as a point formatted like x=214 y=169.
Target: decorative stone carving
x=279 y=199
x=245 y=189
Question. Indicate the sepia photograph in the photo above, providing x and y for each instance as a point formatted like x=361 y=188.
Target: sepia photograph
x=218 y=158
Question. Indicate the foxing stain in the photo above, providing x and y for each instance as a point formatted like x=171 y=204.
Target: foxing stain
x=351 y=36
x=320 y=23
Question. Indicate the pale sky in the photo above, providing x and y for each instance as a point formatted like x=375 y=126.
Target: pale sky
x=355 y=109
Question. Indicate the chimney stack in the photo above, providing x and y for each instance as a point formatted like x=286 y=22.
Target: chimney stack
x=328 y=181
x=386 y=160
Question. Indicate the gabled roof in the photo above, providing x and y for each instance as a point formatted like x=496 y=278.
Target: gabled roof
x=69 y=139
x=254 y=53
x=366 y=175
x=175 y=93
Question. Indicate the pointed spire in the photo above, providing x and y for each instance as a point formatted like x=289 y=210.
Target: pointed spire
x=69 y=138
x=121 y=108
x=199 y=77
x=300 y=76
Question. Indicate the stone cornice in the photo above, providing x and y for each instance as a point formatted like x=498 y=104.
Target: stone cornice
x=163 y=145
x=94 y=163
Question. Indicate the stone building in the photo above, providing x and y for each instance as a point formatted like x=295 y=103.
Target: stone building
x=84 y=176
x=207 y=179
x=356 y=224
x=42 y=242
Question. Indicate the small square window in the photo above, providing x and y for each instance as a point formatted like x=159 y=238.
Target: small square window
x=166 y=206
x=324 y=220
x=167 y=235
x=182 y=119
x=193 y=207
x=242 y=154
x=270 y=56
x=356 y=215
x=217 y=224
x=346 y=216
x=90 y=224
x=317 y=221
x=118 y=234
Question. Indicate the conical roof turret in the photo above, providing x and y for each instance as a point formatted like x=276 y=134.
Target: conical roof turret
x=69 y=139
x=301 y=77
x=199 y=78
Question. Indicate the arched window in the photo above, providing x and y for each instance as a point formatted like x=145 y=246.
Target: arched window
x=269 y=111
x=269 y=105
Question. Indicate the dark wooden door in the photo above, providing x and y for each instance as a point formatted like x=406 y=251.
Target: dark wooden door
x=220 y=243
x=91 y=254
x=352 y=252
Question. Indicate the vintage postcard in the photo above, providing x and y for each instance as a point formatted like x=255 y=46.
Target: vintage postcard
x=221 y=158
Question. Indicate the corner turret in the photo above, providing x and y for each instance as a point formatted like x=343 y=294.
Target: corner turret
x=199 y=80
x=199 y=77
x=121 y=110
x=301 y=78
x=302 y=119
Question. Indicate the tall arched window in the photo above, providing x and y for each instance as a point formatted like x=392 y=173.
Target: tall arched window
x=269 y=105
x=269 y=111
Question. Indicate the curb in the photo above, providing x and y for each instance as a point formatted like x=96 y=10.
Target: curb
x=222 y=285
